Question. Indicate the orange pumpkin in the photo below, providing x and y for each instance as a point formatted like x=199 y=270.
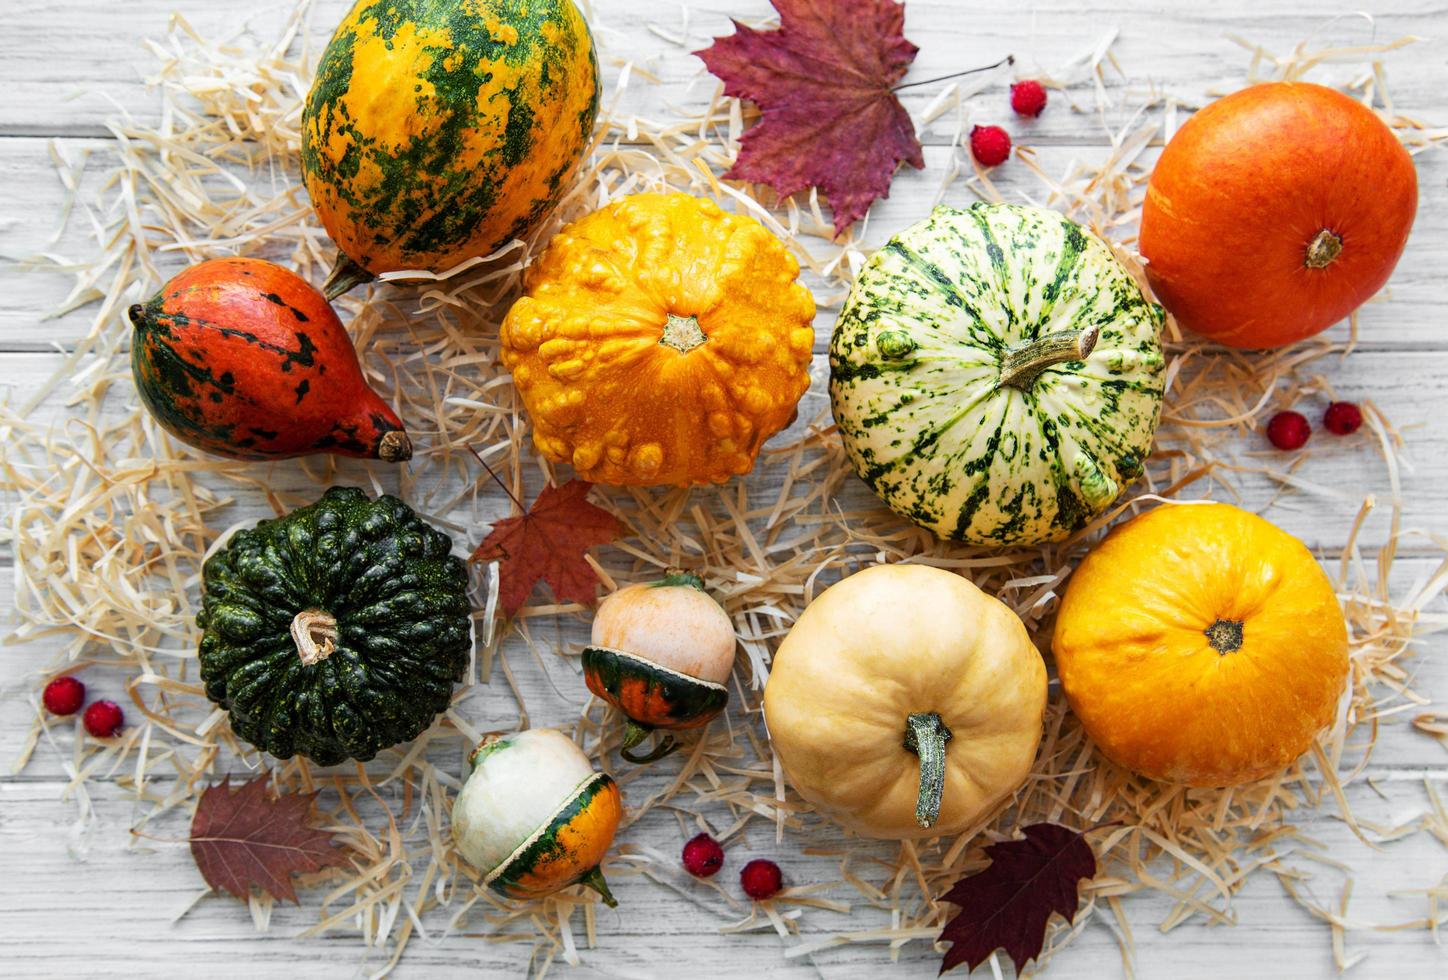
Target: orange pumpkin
x=661 y=341
x=1201 y=644
x=1275 y=212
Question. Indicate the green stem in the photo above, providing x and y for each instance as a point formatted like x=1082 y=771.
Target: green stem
x=345 y=275
x=633 y=734
x=682 y=333
x=1021 y=364
x=594 y=880
x=926 y=735
x=667 y=744
x=676 y=577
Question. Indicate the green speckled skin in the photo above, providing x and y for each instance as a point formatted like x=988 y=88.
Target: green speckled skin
x=438 y=130
x=403 y=616
x=915 y=365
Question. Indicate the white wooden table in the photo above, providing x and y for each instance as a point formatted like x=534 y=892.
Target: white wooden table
x=96 y=903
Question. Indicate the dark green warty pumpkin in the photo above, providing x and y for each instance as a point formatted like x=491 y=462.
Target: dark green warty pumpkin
x=335 y=631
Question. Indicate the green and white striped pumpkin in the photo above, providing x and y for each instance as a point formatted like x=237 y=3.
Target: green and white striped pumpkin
x=997 y=375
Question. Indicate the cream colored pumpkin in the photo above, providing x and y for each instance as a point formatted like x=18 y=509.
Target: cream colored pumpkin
x=899 y=653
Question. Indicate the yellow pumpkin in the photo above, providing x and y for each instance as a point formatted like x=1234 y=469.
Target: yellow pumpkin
x=906 y=702
x=1201 y=644
x=661 y=341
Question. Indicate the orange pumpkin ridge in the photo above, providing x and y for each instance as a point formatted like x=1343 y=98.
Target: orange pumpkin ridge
x=661 y=341
x=1276 y=212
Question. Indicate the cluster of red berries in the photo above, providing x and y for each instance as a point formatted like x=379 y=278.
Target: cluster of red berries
x=991 y=145
x=760 y=878
x=64 y=696
x=1290 y=430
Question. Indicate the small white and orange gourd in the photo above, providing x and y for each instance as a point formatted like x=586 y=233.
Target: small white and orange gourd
x=534 y=816
x=661 y=653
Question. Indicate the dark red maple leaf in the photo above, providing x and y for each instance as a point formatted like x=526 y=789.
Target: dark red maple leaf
x=245 y=837
x=1008 y=904
x=823 y=83
x=547 y=541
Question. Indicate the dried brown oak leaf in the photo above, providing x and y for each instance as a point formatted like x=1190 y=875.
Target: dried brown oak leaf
x=547 y=542
x=1008 y=904
x=243 y=837
x=823 y=82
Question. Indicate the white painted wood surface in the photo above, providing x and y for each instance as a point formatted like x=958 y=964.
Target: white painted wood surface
x=99 y=903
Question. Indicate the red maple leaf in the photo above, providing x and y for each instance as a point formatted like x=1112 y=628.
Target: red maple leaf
x=823 y=82
x=1008 y=904
x=547 y=541
x=245 y=837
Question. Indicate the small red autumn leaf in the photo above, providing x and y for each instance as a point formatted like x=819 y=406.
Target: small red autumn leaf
x=1008 y=904
x=244 y=837
x=547 y=542
x=823 y=83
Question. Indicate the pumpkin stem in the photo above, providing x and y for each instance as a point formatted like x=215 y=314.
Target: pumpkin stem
x=594 y=880
x=682 y=333
x=345 y=275
x=1323 y=249
x=394 y=447
x=675 y=576
x=667 y=746
x=1021 y=364
x=1225 y=636
x=926 y=735
x=310 y=626
x=633 y=734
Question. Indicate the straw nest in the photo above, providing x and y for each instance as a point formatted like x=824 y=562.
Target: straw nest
x=111 y=521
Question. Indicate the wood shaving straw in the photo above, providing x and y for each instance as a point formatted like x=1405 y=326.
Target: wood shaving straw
x=112 y=521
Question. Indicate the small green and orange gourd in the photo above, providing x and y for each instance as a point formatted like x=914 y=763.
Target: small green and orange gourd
x=661 y=653
x=437 y=131
x=534 y=817
x=243 y=358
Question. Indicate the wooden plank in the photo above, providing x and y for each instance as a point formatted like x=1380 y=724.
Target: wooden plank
x=69 y=60
x=1410 y=318
x=125 y=892
x=74 y=904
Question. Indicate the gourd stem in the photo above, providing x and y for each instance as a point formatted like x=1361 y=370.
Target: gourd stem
x=682 y=333
x=926 y=735
x=394 y=447
x=667 y=745
x=1021 y=364
x=1323 y=249
x=345 y=275
x=594 y=880
x=310 y=626
x=633 y=734
x=675 y=576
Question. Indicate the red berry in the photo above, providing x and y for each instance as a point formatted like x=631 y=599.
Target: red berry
x=761 y=879
x=1028 y=98
x=990 y=145
x=1343 y=418
x=64 y=695
x=1288 y=430
x=103 y=719
x=703 y=857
